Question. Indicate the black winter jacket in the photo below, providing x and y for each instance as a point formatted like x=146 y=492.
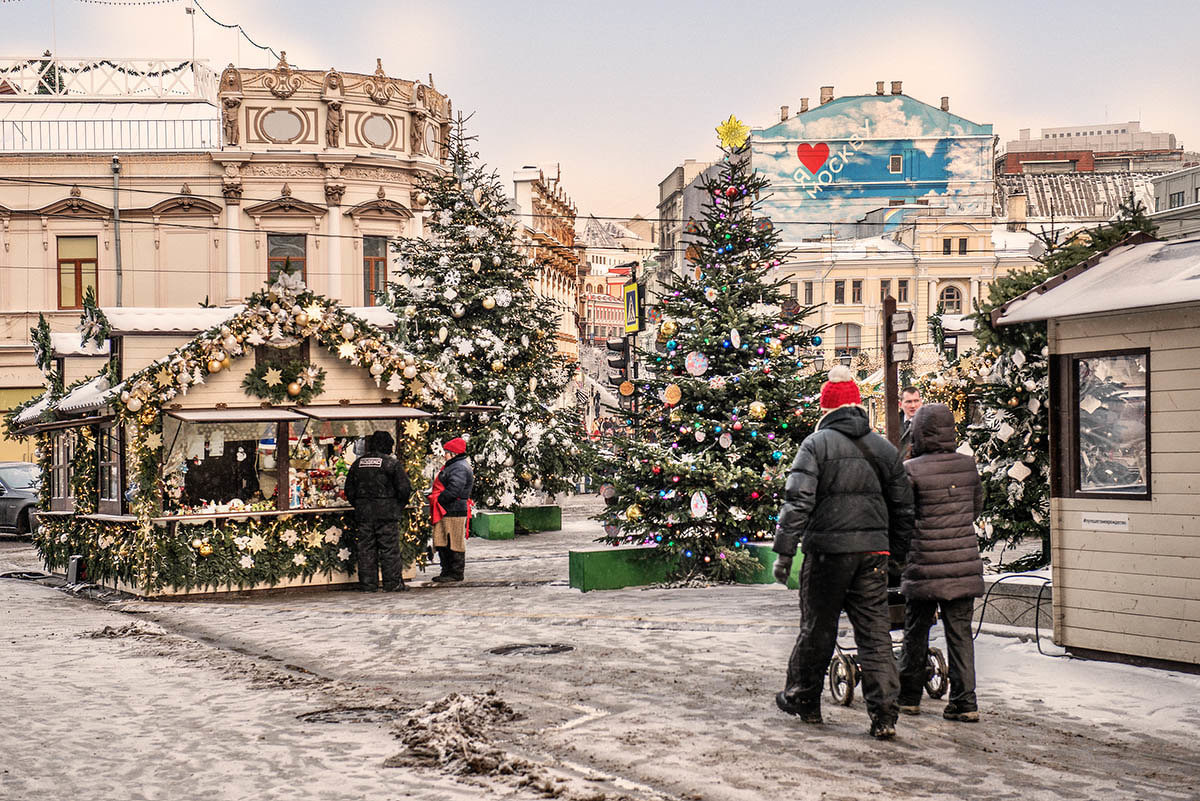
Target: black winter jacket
x=377 y=487
x=943 y=559
x=458 y=480
x=833 y=501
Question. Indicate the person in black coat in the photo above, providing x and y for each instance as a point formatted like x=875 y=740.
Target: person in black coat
x=378 y=489
x=450 y=510
x=847 y=504
x=944 y=570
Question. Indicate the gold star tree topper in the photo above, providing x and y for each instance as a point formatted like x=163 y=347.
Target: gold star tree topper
x=732 y=133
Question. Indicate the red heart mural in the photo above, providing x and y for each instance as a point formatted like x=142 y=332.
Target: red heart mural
x=813 y=156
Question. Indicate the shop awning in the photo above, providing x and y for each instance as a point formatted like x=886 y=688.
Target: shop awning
x=235 y=415
x=375 y=411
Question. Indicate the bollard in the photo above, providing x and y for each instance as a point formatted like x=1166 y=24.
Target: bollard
x=75 y=569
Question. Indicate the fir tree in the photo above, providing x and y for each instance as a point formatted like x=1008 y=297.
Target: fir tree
x=467 y=301
x=723 y=409
x=1009 y=432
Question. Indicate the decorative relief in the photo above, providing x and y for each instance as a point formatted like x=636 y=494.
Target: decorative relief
x=282 y=171
x=378 y=130
x=374 y=174
x=333 y=125
x=282 y=83
x=281 y=126
x=231 y=80
x=380 y=87
x=333 y=194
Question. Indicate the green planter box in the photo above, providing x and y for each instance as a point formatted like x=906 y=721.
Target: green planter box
x=493 y=525
x=613 y=569
x=539 y=518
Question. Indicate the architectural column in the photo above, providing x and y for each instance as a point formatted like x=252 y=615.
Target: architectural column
x=233 y=250
x=333 y=256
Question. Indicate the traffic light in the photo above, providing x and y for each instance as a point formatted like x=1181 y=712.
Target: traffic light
x=619 y=360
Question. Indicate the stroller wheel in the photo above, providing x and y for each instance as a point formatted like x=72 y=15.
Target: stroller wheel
x=843 y=675
x=937 y=677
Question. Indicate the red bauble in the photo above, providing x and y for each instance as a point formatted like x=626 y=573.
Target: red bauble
x=737 y=426
x=731 y=191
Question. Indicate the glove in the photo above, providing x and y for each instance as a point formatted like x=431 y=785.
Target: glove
x=783 y=568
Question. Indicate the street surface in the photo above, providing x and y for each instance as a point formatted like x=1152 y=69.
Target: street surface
x=659 y=694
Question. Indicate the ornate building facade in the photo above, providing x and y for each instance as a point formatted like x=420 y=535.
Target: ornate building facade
x=222 y=183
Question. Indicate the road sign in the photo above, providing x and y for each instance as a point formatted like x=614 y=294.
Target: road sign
x=901 y=321
x=902 y=352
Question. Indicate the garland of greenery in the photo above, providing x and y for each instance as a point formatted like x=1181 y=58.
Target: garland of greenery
x=93 y=323
x=294 y=381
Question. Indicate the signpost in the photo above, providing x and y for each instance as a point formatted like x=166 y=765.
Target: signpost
x=894 y=352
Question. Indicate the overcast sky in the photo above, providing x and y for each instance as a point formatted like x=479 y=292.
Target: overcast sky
x=621 y=92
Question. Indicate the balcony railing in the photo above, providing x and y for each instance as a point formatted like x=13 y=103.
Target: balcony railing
x=49 y=77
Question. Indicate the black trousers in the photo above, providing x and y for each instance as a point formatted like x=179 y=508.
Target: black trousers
x=379 y=551
x=960 y=650
x=856 y=583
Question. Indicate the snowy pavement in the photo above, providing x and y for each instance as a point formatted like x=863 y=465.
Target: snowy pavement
x=663 y=694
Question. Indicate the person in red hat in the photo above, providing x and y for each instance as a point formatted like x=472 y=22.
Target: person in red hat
x=450 y=510
x=847 y=504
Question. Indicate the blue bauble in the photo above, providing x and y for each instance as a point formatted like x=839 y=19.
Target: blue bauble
x=817 y=339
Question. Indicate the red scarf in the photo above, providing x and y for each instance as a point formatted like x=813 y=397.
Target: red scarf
x=436 y=512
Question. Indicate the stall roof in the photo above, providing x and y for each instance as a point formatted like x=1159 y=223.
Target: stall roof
x=141 y=320
x=85 y=397
x=69 y=345
x=1130 y=276
x=31 y=413
x=374 y=411
x=235 y=415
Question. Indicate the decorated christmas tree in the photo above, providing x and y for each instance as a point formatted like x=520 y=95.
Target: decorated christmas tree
x=466 y=300
x=729 y=395
x=1006 y=380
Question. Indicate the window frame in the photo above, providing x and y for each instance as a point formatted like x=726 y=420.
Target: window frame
x=1176 y=200
x=1065 y=479
x=839 y=291
x=962 y=246
x=62 y=454
x=808 y=293
x=885 y=288
x=112 y=435
x=847 y=349
x=372 y=264
x=902 y=290
x=856 y=291
x=896 y=164
x=77 y=263
x=289 y=260
x=941 y=298
x=947 y=245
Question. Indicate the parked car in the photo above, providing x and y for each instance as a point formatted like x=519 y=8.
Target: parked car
x=18 y=495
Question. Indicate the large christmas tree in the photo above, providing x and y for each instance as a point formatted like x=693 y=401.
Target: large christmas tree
x=467 y=301
x=729 y=395
x=1005 y=381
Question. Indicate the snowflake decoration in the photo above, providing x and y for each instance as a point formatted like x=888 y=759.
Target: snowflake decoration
x=247 y=561
x=503 y=297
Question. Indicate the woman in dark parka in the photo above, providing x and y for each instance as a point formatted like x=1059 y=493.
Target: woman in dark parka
x=944 y=570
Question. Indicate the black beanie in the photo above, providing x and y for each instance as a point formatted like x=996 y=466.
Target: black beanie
x=380 y=442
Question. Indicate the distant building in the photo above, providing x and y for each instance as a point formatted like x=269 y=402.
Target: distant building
x=1110 y=147
x=677 y=204
x=1177 y=203
x=547 y=234
x=831 y=165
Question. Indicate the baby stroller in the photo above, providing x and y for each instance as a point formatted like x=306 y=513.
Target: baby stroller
x=845 y=673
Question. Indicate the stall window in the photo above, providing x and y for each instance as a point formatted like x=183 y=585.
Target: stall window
x=1110 y=425
x=76 y=269
x=108 y=446
x=374 y=268
x=320 y=453
x=219 y=467
x=286 y=251
x=62 y=452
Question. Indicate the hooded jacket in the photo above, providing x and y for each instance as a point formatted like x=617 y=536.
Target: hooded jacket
x=943 y=558
x=833 y=499
x=457 y=480
x=377 y=486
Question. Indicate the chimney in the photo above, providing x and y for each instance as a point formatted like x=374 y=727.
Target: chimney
x=945 y=104
x=879 y=87
x=783 y=113
x=1018 y=207
x=896 y=90
x=1023 y=134
x=803 y=104
x=826 y=94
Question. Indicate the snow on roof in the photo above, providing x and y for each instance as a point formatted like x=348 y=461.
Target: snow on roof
x=191 y=320
x=85 y=397
x=379 y=316
x=68 y=345
x=31 y=413
x=865 y=246
x=1130 y=277
x=957 y=324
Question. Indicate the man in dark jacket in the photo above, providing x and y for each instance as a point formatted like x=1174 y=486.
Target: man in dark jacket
x=378 y=489
x=450 y=510
x=944 y=569
x=910 y=402
x=848 y=504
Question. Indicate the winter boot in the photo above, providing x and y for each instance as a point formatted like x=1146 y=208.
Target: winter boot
x=808 y=713
x=882 y=729
x=401 y=587
x=446 y=560
x=458 y=563
x=913 y=708
x=961 y=714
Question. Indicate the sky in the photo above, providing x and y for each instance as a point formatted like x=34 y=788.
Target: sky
x=619 y=93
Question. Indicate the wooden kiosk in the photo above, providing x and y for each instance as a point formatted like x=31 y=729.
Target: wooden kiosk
x=210 y=452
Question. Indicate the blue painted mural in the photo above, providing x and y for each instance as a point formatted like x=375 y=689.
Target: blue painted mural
x=831 y=165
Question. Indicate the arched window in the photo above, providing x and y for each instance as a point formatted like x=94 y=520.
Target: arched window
x=950 y=299
x=847 y=339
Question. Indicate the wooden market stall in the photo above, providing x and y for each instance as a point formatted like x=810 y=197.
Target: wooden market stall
x=210 y=452
x=1124 y=334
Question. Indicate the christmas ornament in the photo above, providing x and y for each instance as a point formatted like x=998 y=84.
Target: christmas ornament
x=376 y=368
x=774 y=347
x=1019 y=471
x=725 y=440
x=476 y=264
x=458 y=311
x=758 y=410
x=710 y=295
x=626 y=388
x=732 y=133
x=293 y=389
x=608 y=491
x=410 y=371
x=816 y=340
x=214 y=366
x=347 y=330
x=135 y=404
x=717 y=383
x=672 y=394
x=696 y=363
x=489 y=303
x=699 y=504
x=273 y=377
x=533 y=383
x=668 y=328
x=633 y=512
x=700 y=435
x=496 y=261
x=735 y=338
x=442 y=334
x=497 y=366
x=450 y=294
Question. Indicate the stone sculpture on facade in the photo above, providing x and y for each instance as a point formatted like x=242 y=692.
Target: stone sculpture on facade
x=229 y=119
x=333 y=125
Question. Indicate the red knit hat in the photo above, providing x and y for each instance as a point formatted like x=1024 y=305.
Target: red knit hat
x=840 y=389
x=457 y=445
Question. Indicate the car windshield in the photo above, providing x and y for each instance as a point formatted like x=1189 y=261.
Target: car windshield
x=19 y=476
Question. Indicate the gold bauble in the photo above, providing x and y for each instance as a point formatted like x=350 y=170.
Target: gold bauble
x=226 y=363
x=497 y=366
x=1013 y=401
x=214 y=366
x=206 y=549
x=758 y=410
x=775 y=347
x=633 y=512
x=669 y=327
x=489 y=303
x=301 y=319
x=293 y=389
x=676 y=416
